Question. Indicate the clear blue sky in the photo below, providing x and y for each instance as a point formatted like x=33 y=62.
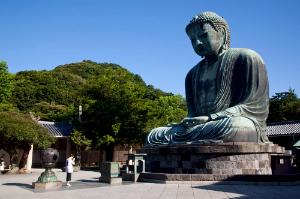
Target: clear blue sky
x=146 y=36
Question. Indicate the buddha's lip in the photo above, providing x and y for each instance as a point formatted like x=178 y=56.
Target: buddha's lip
x=199 y=49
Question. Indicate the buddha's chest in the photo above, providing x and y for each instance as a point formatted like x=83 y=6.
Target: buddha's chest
x=205 y=87
x=206 y=80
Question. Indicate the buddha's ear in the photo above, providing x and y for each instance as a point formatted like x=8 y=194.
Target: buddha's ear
x=224 y=38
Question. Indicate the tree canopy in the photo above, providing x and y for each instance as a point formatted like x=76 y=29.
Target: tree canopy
x=41 y=91
x=19 y=131
x=284 y=106
x=118 y=106
x=6 y=87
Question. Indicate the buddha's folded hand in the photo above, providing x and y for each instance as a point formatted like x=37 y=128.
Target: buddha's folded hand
x=191 y=121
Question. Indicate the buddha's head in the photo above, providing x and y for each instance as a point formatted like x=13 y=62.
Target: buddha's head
x=209 y=34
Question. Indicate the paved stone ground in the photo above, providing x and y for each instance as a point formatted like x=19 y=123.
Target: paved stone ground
x=85 y=185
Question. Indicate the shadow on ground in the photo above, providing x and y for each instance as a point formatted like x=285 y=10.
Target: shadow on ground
x=89 y=181
x=252 y=191
x=22 y=185
x=78 y=184
x=81 y=184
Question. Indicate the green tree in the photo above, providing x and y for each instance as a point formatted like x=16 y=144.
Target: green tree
x=111 y=110
x=53 y=95
x=284 y=106
x=165 y=110
x=120 y=108
x=6 y=86
x=81 y=143
x=19 y=131
x=53 y=112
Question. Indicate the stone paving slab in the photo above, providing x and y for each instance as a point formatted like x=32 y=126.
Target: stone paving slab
x=86 y=185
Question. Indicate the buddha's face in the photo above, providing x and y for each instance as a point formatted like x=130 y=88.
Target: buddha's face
x=206 y=40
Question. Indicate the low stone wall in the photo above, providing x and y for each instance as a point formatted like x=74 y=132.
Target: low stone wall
x=177 y=178
x=221 y=159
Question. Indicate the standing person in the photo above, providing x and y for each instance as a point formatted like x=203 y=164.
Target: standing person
x=69 y=168
x=2 y=164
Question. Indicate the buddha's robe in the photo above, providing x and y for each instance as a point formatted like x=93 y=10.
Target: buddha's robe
x=236 y=101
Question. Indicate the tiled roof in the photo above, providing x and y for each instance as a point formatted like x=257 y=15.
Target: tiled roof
x=57 y=129
x=283 y=128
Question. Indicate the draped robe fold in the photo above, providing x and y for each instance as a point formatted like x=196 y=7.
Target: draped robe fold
x=240 y=107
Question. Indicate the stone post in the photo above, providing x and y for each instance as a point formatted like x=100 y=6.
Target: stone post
x=29 y=159
x=110 y=173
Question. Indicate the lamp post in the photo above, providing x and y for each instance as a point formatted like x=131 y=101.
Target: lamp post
x=79 y=113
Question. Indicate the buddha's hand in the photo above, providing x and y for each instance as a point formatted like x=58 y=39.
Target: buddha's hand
x=172 y=124
x=192 y=121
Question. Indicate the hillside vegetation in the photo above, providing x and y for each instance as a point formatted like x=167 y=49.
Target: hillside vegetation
x=118 y=106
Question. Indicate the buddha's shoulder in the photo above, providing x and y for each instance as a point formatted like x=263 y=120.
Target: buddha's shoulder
x=193 y=70
x=244 y=53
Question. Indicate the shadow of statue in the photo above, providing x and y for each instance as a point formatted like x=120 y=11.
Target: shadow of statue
x=249 y=191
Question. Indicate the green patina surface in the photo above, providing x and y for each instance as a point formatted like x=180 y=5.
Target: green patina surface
x=109 y=169
x=47 y=176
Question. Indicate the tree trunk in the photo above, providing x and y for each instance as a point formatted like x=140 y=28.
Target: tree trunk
x=109 y=152
x=24 y=157
x=78 y=156
x=13 y=156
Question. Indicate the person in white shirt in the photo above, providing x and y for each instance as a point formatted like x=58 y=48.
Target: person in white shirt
x=69 y=168
x=2 y=164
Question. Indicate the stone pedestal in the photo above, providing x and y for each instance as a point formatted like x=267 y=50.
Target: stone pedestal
x=130 y=177
x=232 y=158
x=115 y=180
x=41 y=186
x=47 y=181
x=110 y=173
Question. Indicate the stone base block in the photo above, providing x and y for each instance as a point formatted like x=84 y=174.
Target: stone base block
x=41 y=186
x=130 y=177
x=189 y=178
x=109 y=169
x=234 y=158
x=110 y=180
